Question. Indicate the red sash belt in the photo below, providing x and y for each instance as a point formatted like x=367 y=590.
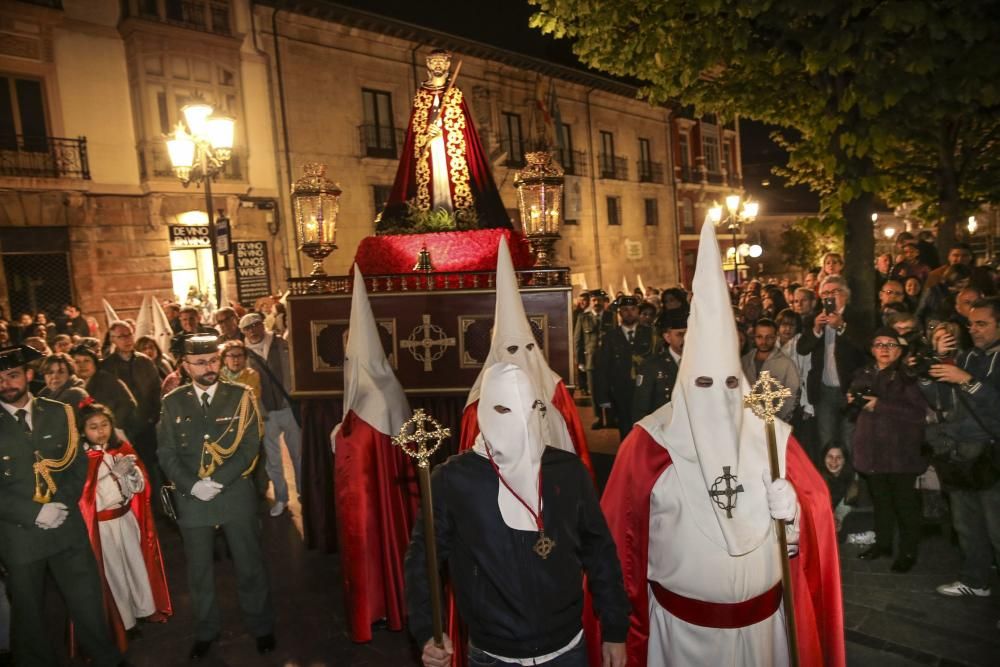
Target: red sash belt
x=719 y=614
x=108 y=515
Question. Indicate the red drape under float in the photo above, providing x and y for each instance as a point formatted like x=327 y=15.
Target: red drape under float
x=153 y=558
x=819 y=610
x=376 y=504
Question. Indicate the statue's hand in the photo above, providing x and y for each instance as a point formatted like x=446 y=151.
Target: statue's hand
x=433 y=131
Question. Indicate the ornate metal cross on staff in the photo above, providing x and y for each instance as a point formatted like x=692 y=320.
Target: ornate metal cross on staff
x=431 y=346
x=765 y=400
x=729 y=492
x=413 y=439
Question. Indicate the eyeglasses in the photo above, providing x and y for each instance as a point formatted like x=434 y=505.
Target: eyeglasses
x=829 y=293
x=886 y=346
x=214 y=361
x=891 y=291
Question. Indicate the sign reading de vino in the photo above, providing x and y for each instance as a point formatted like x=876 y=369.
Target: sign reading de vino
x=189 y=236
x=253 y=276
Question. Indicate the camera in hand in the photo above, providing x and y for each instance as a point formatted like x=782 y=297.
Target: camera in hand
x=829 y=305
x=857 y=402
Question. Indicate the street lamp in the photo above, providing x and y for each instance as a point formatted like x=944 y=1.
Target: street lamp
x=315 y=205
x=197 y=154
x=741 y=211
x=539 y=196
x=973 y=225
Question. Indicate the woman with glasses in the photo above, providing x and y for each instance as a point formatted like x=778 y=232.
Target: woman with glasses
x=886 y=444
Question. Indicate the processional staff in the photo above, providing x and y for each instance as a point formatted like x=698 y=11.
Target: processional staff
x=765 y=400
x=412 y=439
x=436 y=113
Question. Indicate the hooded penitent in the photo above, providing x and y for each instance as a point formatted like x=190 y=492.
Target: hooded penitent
x=513 y=342
x=376 y=497
x=512 y=434
x=706 y=425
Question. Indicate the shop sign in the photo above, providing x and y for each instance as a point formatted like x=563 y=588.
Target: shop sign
x=253 y=275
x=189 y=236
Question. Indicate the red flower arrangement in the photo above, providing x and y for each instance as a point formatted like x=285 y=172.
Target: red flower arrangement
x=474 y=250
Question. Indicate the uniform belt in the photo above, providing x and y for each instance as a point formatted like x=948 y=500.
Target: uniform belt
x=719 y=614
x=108 y=515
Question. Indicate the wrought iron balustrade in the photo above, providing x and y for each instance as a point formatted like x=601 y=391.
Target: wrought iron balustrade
x=574 y=163
x=205 y=15
x=380 y=141
x=613 y=167
x=715 y=178
x=43 y=157
x=650 y=172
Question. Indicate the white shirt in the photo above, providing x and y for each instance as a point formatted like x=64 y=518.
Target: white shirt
x=676 y=357
x=199 y=392
x=542 y=659
x=629 y=330
x=27 y=407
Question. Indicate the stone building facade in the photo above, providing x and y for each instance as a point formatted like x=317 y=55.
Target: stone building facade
x=90 y=209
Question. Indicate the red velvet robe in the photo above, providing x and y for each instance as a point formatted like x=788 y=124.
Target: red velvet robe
x=819 y=613
x=142 y=510
x=486 y=201
x=376 y=500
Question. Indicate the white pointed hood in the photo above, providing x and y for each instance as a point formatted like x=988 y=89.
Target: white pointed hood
x=706 y=428
x=512 y=416
x=153 y=322
x=514 y=343
x=370 y=385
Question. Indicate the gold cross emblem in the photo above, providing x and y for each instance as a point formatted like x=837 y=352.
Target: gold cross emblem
x=766 y=397
x=427 y=343
x=414 y=436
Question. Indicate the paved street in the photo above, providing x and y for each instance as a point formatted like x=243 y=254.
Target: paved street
x=891 y=619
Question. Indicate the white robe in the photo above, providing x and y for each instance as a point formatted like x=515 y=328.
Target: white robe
x=687 y=556
x=441 y=181
x=121 y=545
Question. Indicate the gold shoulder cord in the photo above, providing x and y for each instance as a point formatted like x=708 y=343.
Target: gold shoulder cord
x=45 y=486
x=215 y=452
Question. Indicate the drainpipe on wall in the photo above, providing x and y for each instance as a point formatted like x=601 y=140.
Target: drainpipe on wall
x=284 y=126
x=593 y=194
x=679 y=258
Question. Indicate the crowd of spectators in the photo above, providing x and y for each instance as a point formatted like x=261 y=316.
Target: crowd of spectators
x=877 y=402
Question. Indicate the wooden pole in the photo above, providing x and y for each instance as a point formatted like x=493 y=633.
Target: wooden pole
x=430 y=546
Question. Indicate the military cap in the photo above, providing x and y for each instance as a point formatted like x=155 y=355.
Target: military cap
x=201 y=344
x=599 y=293
x=16 y=356
x=584 y=293
x=627 y=300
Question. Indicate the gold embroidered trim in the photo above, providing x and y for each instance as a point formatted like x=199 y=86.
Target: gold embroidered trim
x=453 y=121
x=45 y=485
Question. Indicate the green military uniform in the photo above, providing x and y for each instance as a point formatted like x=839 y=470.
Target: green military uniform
x=654 y=383
x=590 y=329
x=28 y=551
x=221 y=442
x=619 y=358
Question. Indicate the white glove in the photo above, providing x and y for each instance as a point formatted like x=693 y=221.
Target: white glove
x=123 y=467
x=781 y=498
x=205 y=489
x=51 y=516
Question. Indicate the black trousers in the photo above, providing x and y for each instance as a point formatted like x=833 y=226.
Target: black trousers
x=896 y=501
x=74 y=571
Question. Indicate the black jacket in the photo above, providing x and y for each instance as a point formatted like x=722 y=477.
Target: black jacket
x=654 y=384
x=515 y=603
x=849 y=351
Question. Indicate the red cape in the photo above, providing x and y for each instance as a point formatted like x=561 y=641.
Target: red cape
x=819 y=613
x=141 y=509
x=376 y=500
x=563 y=402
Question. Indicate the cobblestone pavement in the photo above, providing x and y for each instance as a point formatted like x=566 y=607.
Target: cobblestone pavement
x=891 y=619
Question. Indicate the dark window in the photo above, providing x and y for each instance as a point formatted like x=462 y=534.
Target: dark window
x=161 y=105
x=710 y=147
x=614 y=210
x=22 y=111
x=566 y=149
x=687 y=216
x=381 y=194
x=607 y=154
x=379 y=130
x=652 y=213
x=645 y=159
x=510 y=139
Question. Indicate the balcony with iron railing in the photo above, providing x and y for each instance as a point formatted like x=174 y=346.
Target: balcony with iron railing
x=574 y=163
x=154 y=163
x=204 y=15
x=687 y=174
x=715 y=178
x=650 y=172
x=380 y=141
x=43 y=157
x=613 y=167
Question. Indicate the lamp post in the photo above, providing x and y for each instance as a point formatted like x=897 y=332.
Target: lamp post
x=197 y=154
x=741 y=211
x=315 y=205
x=539 y=197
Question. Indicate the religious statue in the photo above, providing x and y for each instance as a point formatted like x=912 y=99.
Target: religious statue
x=443 y=173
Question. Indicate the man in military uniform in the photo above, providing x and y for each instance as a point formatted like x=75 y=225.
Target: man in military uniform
x=622 y=351
x=579 y=308
x=41 y=530
x=209 y=436
x=590 y=328
x=654 y=381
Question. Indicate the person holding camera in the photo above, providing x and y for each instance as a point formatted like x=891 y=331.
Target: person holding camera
x=835 y=338
x=964 y=389
x=890 y=411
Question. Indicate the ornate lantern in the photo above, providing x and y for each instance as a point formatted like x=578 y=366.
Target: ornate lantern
x=539 y=194
x=315 y=203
